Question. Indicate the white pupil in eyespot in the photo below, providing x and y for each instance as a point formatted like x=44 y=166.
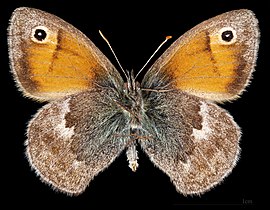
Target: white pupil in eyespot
x=227 y=35
x=40 y=34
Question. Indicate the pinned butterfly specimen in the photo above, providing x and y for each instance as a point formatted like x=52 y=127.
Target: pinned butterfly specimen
x=93 y=114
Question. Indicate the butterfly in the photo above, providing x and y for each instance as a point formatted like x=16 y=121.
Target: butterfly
x=93 y=114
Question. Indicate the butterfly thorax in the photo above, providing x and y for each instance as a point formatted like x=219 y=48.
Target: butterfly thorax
x=132 y=102
x=132 y=107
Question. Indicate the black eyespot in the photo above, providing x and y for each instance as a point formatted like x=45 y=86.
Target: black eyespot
x=227 y=36
x=40 y=34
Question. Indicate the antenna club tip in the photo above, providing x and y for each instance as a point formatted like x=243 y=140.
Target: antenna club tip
x=99 y=31
x=168 y=37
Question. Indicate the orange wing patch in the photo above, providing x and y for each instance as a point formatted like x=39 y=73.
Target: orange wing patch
x=61 y=65
x=204 y=66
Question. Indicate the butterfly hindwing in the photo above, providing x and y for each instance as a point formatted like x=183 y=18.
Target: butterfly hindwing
x=195 y=142
x=71 y=140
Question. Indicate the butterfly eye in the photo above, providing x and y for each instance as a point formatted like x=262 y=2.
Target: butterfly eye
x=40 y=34
x=227 y=35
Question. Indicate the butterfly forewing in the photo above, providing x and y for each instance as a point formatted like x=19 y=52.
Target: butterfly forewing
x=214 y=60
x=50 y=58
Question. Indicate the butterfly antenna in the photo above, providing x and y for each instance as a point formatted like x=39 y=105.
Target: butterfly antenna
x=108 y=43
x=166 y=39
